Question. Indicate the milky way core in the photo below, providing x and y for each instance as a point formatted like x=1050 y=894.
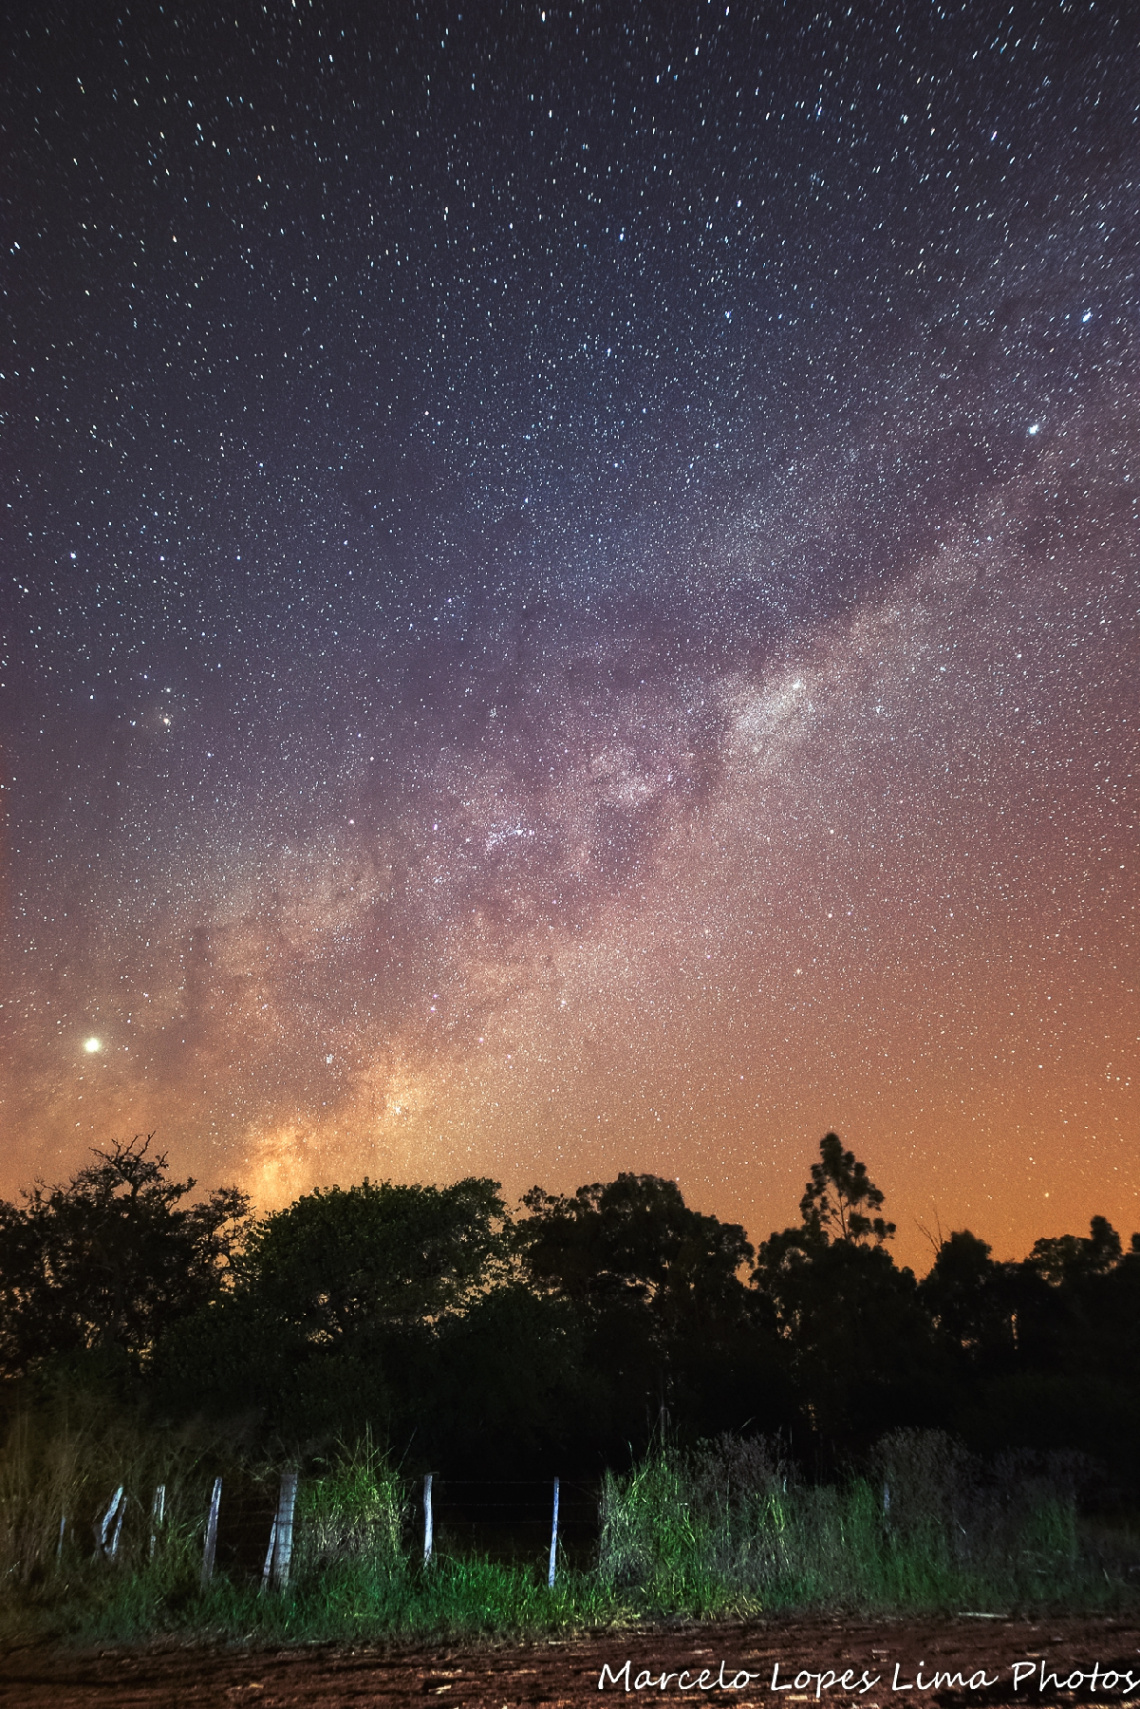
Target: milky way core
x=571 y=583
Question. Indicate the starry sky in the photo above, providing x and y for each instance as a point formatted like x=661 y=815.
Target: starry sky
x=570 y=587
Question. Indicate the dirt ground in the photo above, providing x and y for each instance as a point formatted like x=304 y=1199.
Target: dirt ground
x=954 y=1663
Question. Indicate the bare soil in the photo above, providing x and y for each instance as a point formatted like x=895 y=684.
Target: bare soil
x=565 y=1673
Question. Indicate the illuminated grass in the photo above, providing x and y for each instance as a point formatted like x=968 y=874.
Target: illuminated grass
x=719 y=1532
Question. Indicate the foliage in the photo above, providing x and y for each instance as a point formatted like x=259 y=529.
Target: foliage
x=839 y=1185
x=339 y=1306
x=110 y=1261
x=1067 y=1257
x=474 y=1343
x=635 y=1239
x=341 y=1258
x=971 y=1300
x=728 y=1528
x=667 y=1325
x=69 y=1549
x=860 y=1346
x=353 y=1513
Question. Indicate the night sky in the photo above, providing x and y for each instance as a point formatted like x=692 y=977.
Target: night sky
x=570 y=578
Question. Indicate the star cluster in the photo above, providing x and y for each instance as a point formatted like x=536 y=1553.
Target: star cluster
x=571 y=594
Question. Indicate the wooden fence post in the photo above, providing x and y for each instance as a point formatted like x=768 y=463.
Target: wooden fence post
x=211 y=1546
x=427 y=1519
x=105 y=1526
x=267 y=1569
x=157 y=1515
x=281 y=1540
x=553 y=1540
x=118 y=1528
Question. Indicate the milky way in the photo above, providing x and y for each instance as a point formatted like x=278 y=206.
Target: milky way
x=571 y=584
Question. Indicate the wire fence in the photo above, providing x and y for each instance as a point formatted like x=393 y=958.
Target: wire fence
x=505 y=1520
x=509 y=1519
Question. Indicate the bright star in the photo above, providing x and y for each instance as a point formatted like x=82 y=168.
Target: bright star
x=91 y=1045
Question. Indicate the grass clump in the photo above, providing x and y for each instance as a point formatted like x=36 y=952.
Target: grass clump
x=354 y=1514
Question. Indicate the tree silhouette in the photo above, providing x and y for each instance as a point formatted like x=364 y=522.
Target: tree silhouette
x=108 y=1262
x=668 y=1325
x=340 y=1307
x=1068 y=1257
x=634 y=1238
x=342 y=1259
x=839 y=1185
x=972 y=1299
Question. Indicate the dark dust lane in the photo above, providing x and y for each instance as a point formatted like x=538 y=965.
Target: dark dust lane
x=950 y=1663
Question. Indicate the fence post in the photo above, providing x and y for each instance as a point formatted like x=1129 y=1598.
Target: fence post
x=114 y=1549
x=267 y=1569
x=210 y=1549
x=157 y=1515
x=281 y=1542
x=553 y=1540
x=427 y=1519
x=105 y=1525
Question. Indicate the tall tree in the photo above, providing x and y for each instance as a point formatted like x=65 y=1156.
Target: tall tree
x=339 y=1308
x=378 y=1255
x=972 y=1299
x=108 y=1262
x=839 y=1195
x=670 y=1329
x=859 y=1343
x=1067 y=1258
x=635 y=1239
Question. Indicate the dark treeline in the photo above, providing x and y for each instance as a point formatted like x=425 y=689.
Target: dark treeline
x=565 y=1336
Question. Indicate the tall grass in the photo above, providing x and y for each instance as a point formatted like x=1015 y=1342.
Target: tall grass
x=731 y=1529
x=725 y=1529
x=360 y=1571
x=61 y=1466
x=356 y=1514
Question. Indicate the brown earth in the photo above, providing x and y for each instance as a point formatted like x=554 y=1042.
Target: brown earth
x=563 y=1673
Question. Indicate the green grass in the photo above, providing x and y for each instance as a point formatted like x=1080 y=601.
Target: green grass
x=730 y=1531
x=722 y=1531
